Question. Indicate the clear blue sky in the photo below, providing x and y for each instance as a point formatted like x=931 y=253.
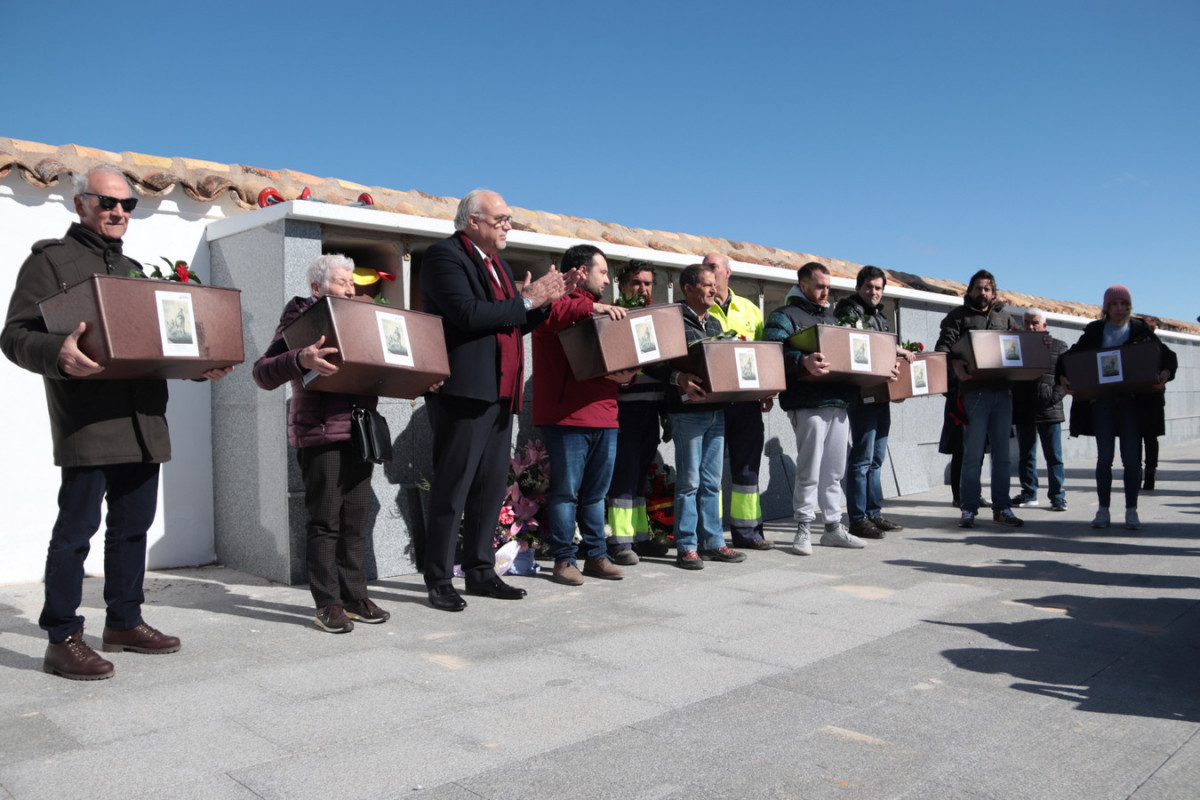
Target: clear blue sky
x=1055 y=142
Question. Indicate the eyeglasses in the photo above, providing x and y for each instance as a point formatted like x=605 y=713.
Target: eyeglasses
x=109 y=203
x=498 y=222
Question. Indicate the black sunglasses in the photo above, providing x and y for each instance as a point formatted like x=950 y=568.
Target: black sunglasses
x=109 y=203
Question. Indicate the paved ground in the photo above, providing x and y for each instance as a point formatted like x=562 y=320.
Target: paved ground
x=1053 y=661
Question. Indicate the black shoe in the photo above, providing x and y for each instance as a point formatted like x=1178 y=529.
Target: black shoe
x=333 y=619
x=498 y=589
x=446 y=598
x=648 y=549
x=366 y=611
x=753 y=544
x=885 y=524
x=1007 y=518
x=866 y=529
x=1148 y=482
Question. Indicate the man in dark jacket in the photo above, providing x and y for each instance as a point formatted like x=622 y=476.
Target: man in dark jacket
x=1038 y=414
x=579 y=424
x=110 y=436
x=638 y=410
x=337 y=484
x=698 y=430
x=988 y=403
x=484 y=316
x=817 y=411
x=870 y=422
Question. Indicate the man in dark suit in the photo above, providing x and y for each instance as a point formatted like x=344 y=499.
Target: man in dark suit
x=485 y=313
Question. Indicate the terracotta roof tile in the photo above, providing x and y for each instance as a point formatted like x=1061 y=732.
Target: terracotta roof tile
x=44 y=165
x=150 y=161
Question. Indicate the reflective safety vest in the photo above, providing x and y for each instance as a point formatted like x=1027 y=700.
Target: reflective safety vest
x=743 y=317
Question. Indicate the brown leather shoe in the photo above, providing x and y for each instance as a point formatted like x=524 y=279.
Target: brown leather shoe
x=601 y=567
x=142 y=639
x=567 y=574
x=74 y=659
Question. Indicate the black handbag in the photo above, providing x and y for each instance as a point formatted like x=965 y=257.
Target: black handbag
x=370 y=435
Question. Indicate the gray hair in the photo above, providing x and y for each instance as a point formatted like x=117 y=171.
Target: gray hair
x=81 y=179
x=467 y=206
x=321 y=268
x=1036 y=312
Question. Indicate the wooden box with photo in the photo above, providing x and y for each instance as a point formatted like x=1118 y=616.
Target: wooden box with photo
x=926 y=375
x=600 y=345
x=732 y=370
x=1005 y=355
x=1131 y=368
x=861 y=357
x=382 y=351
x=146 y=328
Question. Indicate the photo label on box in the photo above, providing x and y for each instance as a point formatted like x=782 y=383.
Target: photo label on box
x=393 y=338
x=645 y=339
x=177 y=324
x=1109 y=366
x=860 y=352
x=1010 y=351
x=918 y=371
x=747 y=367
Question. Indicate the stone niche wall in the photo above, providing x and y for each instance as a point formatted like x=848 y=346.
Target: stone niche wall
x=259 y=496
x=259 y=510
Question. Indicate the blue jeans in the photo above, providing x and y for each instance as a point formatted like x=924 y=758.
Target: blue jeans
x=1050 y=434
x=581 y=465
x=1114 y=417
x=989 y=416
x=699 y=452
x=870 y=424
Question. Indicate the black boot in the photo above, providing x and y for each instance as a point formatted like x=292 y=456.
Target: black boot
x=1148 y=482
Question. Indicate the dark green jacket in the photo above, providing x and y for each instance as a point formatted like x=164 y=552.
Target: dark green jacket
x=93 y=422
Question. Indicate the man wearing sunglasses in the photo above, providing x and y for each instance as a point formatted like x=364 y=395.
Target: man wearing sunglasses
x=110 y=436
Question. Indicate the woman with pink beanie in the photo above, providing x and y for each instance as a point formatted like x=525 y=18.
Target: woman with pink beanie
x=1118 y=417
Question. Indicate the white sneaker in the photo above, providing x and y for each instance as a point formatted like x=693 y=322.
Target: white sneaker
x=1101 y=519
x=837 y=536
x=802 y=542
x=1131 y=519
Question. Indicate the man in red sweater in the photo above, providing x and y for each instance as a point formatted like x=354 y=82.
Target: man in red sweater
x=579 y=425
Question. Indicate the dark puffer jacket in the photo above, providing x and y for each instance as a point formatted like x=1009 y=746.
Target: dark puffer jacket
x=965 y=318
x=1041 y=401
x=800 y=313
x=314 y=418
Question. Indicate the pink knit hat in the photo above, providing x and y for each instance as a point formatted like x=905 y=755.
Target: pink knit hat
x=1114 y=293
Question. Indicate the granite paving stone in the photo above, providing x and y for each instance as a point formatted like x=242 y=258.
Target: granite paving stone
x=1053 y=662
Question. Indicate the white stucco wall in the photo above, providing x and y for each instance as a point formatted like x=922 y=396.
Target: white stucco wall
x=183 y=530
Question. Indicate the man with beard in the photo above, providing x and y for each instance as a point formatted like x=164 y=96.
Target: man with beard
x=870 y=423
x=817 y=411
x=579 y=425
x=987 y=403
